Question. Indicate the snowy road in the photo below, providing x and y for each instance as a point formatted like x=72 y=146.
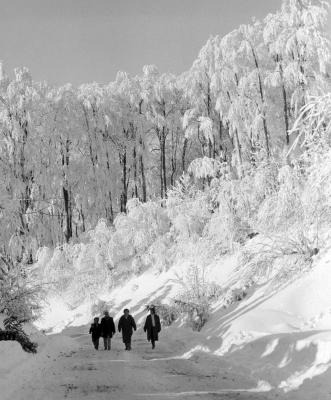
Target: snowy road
x=68 y=368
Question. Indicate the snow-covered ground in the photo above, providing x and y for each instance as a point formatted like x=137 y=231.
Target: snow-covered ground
x=275 y=340
x=67 y=366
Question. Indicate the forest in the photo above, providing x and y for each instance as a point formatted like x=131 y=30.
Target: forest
x=236 y=140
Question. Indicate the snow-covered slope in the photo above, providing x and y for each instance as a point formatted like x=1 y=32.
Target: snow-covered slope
x=282 y=334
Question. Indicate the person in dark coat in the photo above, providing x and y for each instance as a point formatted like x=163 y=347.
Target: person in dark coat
x=107 y=329
x=152 y=327
x=126 y=324
x=95 y=330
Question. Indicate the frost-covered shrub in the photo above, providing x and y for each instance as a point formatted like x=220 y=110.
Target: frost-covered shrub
x=19 y=295
x=100 y=238
x=234 y=295
x=235 y=204
x=204 y=168
x=168 y=313
x=196 y=297
x=281 y=209
x=301 y=201
x=160 y=253
x=58 y=271
x=227 y=229
x=278 y=258
x=317 y=192
x=137 y=230
x=300 y=209
x=293 y=220
x=313 y=127
x=198 y=313
x=137 y=265
x=14 y=331
x=260 y=183
x=188 y=209
x=229 y=224
x=78 y=271
x=89 y=276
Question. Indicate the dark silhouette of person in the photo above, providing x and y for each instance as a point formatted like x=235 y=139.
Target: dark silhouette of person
x=152 y=327
x=107 y=329
x=95 y=330
x=126 y=325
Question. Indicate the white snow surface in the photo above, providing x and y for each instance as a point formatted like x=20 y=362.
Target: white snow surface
x=280 y=338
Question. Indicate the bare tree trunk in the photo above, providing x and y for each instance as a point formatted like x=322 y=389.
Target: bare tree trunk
x=214 y=149
x=163 y=176
x=210 y=148
x=163 y=167
x=26 y=179
x=184 y=154
x=109 y=209
x=124 y=194
x=174 y=146
x=222 y=147
x=173 y=169
x=286 y=118
x=266 y=136
x=92 y=157
x=67 y=210
x=83 y=219
x=285 y=107
x=66 y=191
x=264 y=118
x=161 y=170
x=135 y=174
x=143 y=178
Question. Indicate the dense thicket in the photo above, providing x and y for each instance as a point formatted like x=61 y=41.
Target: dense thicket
x=71 y=156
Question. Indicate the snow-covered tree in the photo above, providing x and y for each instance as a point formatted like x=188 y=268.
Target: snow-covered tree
x=300 y=53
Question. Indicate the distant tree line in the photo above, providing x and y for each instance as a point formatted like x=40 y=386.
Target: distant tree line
x=71 y=156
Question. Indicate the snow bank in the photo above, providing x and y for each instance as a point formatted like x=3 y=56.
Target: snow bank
x=265 y=330
x=302 y=305
x=320 y=364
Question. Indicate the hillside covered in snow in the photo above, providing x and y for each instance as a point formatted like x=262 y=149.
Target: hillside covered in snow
x=206 y=194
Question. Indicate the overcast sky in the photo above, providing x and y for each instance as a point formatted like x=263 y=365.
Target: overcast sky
x=90 y=40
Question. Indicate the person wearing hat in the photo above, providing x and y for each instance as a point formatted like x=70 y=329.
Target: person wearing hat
x=126 y=325
x=107 y=328
x=152 y=326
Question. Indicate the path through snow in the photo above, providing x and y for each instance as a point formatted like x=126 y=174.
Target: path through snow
x=67 y=367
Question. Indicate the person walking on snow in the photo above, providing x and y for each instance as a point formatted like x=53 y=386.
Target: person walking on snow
x=107 y=329
x=95 y=330
x=152 y=326
x=126 y=324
